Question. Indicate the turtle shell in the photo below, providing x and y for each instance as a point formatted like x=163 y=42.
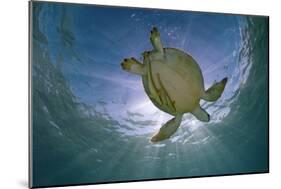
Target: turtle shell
x=178 y=79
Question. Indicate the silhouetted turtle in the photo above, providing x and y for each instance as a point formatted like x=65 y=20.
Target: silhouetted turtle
x=174 y=83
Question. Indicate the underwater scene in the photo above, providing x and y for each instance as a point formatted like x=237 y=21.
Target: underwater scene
x=92 y=121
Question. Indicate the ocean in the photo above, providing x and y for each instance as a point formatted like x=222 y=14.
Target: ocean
x=92 y=121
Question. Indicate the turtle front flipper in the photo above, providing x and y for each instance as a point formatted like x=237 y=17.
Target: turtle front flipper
x=168 y=129
x=133 y=66
x=155 y=40
x=215 y=91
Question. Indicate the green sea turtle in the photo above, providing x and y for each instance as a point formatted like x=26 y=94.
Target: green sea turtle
x=174 y=83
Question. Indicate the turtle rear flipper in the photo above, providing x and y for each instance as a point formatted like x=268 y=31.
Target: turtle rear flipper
x=156 y=42
x=133 y=66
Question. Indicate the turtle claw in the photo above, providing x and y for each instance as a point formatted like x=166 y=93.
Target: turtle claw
x=127 y=63
x=154 y=33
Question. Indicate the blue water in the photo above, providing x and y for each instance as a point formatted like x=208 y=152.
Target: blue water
x=92 y=121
